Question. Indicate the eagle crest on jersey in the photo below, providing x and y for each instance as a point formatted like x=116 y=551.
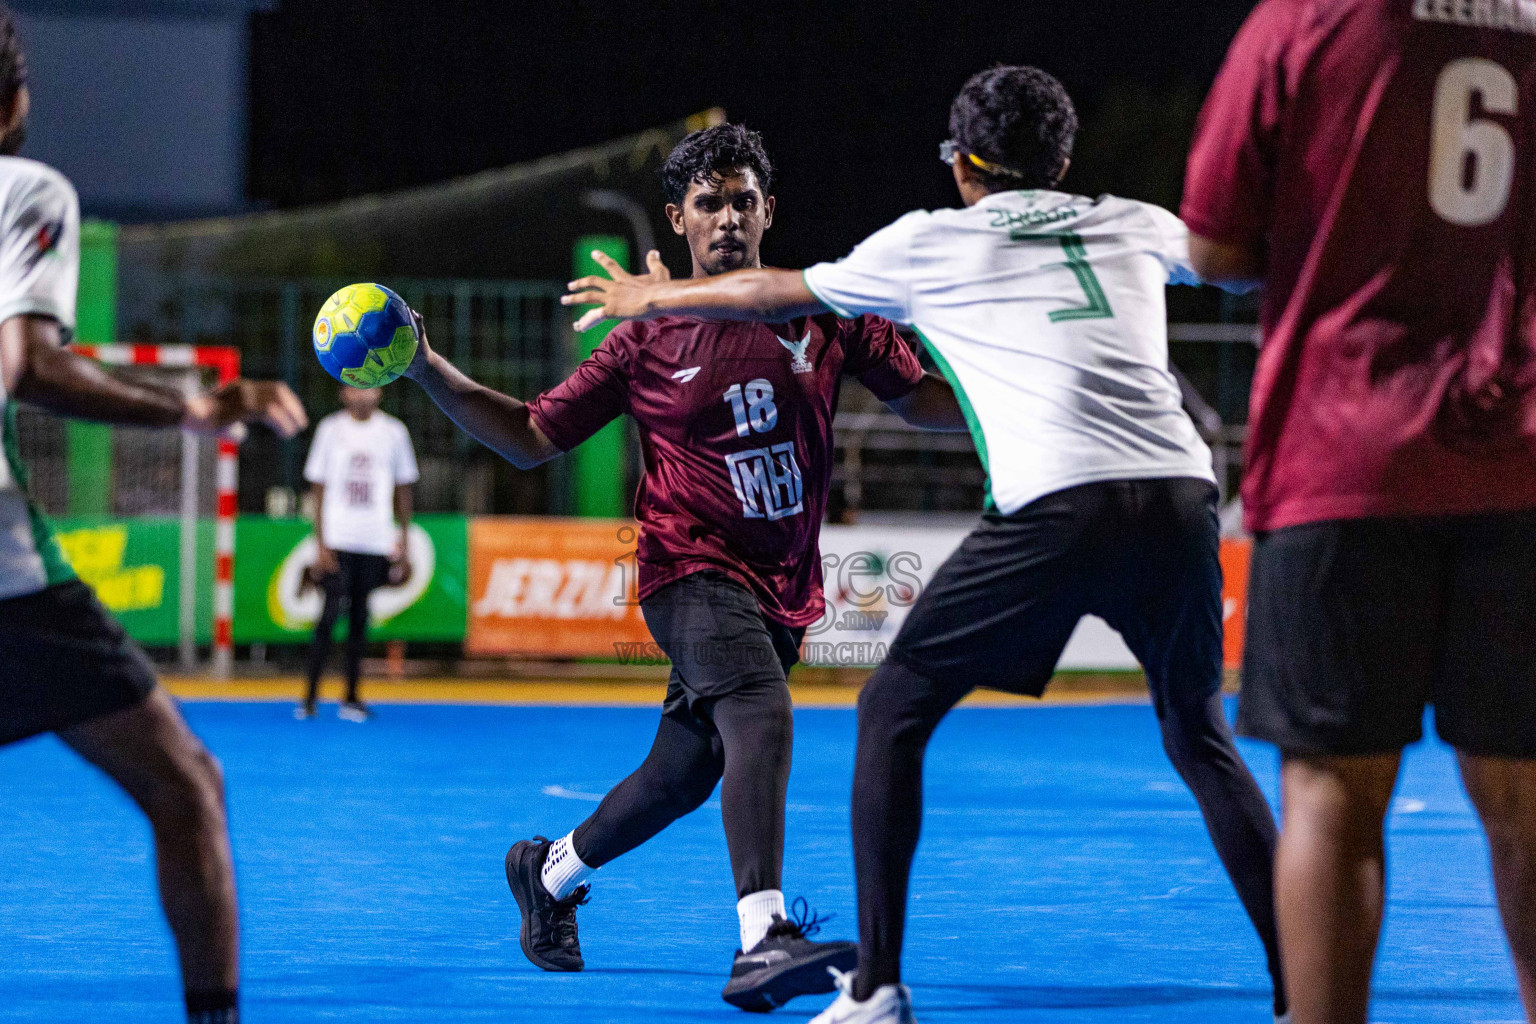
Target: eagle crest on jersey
x=797 y=361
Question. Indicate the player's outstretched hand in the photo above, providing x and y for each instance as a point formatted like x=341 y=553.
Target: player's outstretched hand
x=621 y=295
x=226 y=410
x=423 y=348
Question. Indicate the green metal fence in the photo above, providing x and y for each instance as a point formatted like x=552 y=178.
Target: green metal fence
x=516 y=337
x=510 y=335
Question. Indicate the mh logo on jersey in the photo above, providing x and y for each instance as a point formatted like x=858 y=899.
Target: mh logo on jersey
x=767 y=480
x=796 y=349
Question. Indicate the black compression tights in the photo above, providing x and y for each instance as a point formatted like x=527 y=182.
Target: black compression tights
x=898 y=711
x=745 y=737
x=354 y=589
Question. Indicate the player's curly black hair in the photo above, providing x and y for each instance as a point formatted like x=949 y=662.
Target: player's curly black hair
x=1018 y=117
x=13 y=63
x=703 y=154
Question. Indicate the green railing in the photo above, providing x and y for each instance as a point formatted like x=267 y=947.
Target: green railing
x=511 y=335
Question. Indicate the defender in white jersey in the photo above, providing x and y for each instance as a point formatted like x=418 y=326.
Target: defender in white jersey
x=1046 y=312
x=1062 y=358
x=65 y=665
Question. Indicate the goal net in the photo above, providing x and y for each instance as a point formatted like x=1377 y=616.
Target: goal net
x=146 y=517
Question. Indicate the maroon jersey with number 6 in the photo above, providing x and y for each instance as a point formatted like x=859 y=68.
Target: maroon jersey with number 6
x=1383 y=153
x=736 y=432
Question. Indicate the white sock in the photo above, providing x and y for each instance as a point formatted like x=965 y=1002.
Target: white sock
x=563 y=871
x=756 y=912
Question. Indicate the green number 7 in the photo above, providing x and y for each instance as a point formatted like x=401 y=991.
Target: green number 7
x=1077 y=260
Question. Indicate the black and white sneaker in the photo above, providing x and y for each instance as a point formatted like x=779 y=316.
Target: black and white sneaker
x=549 y=925
x=787 y=964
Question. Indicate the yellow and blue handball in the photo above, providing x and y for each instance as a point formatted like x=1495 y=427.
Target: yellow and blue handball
x=365 y=336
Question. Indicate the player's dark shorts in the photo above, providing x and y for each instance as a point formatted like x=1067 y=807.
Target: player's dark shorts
x=1354 y=626
x=64 y=660
x=1140 y=554
x=718 y=639
x=357 y=573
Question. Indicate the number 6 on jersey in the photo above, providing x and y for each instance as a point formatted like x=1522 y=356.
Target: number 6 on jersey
x=1471 y=160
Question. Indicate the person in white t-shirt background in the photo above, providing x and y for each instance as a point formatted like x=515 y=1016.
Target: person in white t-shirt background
x=361 y=468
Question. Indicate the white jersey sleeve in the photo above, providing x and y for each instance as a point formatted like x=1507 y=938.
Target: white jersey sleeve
x=404 y=463
x=319 y=453
x=1171 y=245
x=876 y=277
x=39 y=243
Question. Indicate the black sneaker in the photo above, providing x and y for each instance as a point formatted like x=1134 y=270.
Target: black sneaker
x=787 y=964
x=549 y=925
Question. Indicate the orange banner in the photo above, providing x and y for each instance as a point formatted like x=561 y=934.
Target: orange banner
x=1234 y=597
x=553 y=587
x=565 y=588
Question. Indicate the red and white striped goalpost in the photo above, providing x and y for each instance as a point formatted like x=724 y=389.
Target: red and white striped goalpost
x=225 y=362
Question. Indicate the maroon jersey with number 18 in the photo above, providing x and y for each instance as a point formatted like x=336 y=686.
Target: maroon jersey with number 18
x=736 y=433
x=1383 y=153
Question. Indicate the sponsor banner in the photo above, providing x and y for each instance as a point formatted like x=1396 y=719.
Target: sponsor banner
x=873 y=575
x=1235 y=555
x=553 y=587
x=274 y=603
x=537 y=586
x=134 y=565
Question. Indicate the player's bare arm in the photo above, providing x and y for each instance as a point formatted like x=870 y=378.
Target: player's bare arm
x=931 y=406
x=500 y=422
x=325 y=558
x=763 y=295
x=1232 y=268
x=405 y=505
x=39 y=371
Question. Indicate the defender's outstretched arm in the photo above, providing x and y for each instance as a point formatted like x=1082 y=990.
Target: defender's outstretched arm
x=38 y=370
x=500 y=422
x=769 y=296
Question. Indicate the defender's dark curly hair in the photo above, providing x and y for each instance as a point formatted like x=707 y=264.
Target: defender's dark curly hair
x=1019 y=118
x=13 y=63
x=704 y=154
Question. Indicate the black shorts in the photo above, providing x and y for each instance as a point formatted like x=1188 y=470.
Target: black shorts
x=357 y=575
x=1354 y=626
x=64 y=660
x=1140 y=554
x=361 y=571
x=718 y=639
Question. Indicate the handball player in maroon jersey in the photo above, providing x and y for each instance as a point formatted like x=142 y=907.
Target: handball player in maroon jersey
x=1373 y=163
x=735 y=424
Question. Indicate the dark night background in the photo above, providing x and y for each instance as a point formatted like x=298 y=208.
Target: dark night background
x=355 y=96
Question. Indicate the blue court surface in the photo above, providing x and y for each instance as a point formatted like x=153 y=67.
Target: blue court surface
x=1064 y=876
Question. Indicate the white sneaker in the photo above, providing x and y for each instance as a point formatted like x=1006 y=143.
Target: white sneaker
x=1285 y=1019
x=890 y=1004
x=354 y=711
